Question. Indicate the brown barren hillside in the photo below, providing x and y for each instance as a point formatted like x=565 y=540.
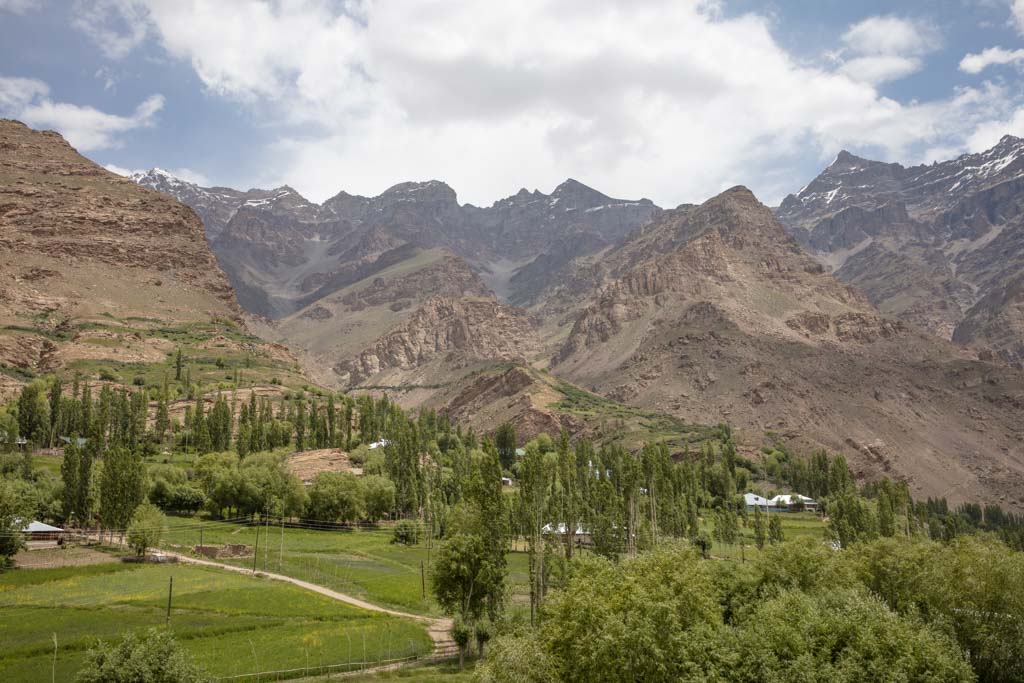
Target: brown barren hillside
x=96 y=271
x=716 y=315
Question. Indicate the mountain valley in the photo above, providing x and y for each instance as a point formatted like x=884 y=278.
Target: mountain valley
x=706 y=313
x=839 y=321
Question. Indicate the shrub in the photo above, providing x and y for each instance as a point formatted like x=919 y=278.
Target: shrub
x=139 y=380
x=156 y=656
x=146 y=528
x=109 y=375
x=407 y=532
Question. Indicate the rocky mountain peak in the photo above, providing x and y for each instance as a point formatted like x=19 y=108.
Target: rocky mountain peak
x=578 y=193
x=1011 y=140
x=431 y=190
x=159 y=179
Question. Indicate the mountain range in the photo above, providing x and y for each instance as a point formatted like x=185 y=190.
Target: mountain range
x=940 y=246
x=874 y=313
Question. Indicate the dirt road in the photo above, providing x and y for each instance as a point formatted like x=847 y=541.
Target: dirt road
x=439 y=629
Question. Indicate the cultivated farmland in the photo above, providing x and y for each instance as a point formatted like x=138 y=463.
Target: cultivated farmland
x=232 y=624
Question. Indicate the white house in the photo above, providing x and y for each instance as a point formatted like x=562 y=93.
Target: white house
x=40 y=531
x=752 y=500
x=789 y=502
x=793 y=501
x=379 y=444
x=582 y=535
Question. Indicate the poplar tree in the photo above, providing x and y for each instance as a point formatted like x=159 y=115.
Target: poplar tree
x=505 y=441
x=775 y=529
x=121 y=487
x=760 y=532
x=69 y=473
x=162 y=421
x=55 y=412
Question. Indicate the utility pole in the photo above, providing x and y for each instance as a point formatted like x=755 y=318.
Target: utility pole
x=423 y=582
x=200 y=533
x=256 y=548
x=170 y=591
x=280 y=555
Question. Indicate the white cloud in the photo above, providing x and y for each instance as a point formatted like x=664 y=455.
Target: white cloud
x=106 y=75
x=1017 y=15
x=15 y=93
x=880 y=68
x=120 y=170
x=668 y=99
x=116 y=26
x=20 y=6
x=86 y=128
x=190 y=176
x=988 y=133
x=976 y=63
x=886 y=48
x=889 y=35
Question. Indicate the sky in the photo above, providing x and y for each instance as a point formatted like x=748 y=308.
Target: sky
x=673 y=100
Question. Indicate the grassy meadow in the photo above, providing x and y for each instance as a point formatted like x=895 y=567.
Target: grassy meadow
x=794 y=525
x=232 y=624
x=363 y=563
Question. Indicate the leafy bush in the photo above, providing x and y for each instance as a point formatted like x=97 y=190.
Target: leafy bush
x=139 y=380
x=406 y=532
x=147 y=526
x=109 y=375
x=155 y=656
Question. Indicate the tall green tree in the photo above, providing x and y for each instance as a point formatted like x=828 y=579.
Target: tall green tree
x=70 y=470
x=886 y=514
x=775 y=528
x=32 y=419
x=162 y=420
x=760 y=528
x=505 y=442
x=533 y=499
x=121 y=487
x=55 y=408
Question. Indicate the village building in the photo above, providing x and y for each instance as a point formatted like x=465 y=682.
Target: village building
x=583 y=539
x=790 y=502
x=39 y=531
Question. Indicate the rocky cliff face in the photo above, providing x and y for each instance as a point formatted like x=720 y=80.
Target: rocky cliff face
x=457 y=332
x=926 y=243
x=92 y=266
x=713 y=313
x=338 y=327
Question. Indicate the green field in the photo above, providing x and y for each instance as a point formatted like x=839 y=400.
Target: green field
x=364 y=563
x=794 y=525
x=232 y=624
